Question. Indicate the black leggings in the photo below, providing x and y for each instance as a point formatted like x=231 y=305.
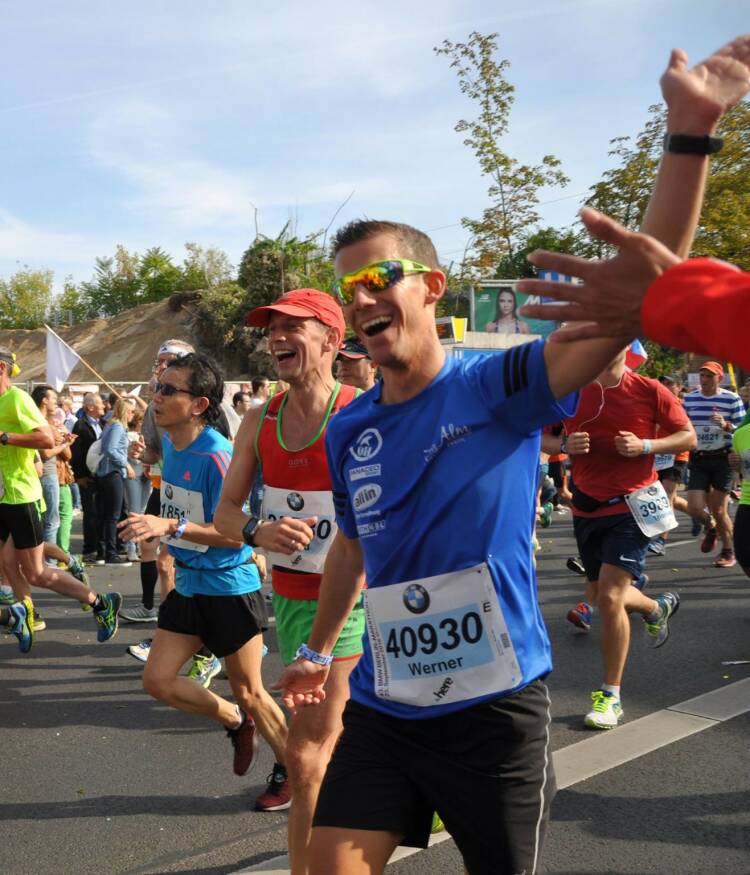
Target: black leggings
x=742 y=537
x=112 y=494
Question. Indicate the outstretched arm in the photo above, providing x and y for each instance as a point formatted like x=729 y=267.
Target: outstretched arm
x=612 y=293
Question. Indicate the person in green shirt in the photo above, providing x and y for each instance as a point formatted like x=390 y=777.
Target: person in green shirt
x=23 y=430
x=740 y=458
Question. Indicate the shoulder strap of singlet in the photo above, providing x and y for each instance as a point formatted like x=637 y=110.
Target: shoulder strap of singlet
x=266 y=407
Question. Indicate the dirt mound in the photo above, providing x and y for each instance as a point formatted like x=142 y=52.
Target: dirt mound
x=120 y=348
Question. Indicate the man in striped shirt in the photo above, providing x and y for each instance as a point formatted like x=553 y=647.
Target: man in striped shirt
x=715 y=414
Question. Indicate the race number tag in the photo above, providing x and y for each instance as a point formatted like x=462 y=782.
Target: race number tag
x=177 y=502
x=440 y=640
x=710 y=437
x=662 y=461
x=652 y=510
x=300 y=505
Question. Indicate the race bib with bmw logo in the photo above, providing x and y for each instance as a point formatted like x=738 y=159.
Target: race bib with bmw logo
x=278 y=503
x=652 y=510
x=710 y=437
x=440 y=640
x=177 y=502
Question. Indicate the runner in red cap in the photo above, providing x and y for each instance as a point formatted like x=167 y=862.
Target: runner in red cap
x=297 y=524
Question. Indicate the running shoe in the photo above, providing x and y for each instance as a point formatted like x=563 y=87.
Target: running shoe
x=106 y=617
x=437 y=824
x=580 y=616
x=75 y=567
x=658 y=630
x=204 y=669
x=140 y=614
x=277 y=796
x=93 y=559
x=657 y=546
x=545 y=517
x=606 y=711
x=641 y=582
x=7 y=596
x=23 y=628
x=245 y=743
x=709 y=540
x=38 y=622
x=726 y=559
x=140 y=650
x=575 y=565
x=696 y=529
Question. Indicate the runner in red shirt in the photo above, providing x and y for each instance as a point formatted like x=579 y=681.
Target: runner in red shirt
x=618 y=506
x=286 y=437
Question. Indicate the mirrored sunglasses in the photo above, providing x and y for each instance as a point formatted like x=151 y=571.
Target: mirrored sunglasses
x=375 y=277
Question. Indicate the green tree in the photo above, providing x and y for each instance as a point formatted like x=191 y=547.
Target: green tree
x=25 y=298
x=70 y=305
x=514 y=186
x=516 y=266
x=205 y=268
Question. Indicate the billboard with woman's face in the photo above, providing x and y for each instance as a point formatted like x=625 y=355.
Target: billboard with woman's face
x=496 y=310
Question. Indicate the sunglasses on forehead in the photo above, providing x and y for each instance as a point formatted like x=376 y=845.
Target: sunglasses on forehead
x=167 y=389
x=376 y=277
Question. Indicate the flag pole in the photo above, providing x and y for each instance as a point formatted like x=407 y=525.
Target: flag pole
x=83 y=361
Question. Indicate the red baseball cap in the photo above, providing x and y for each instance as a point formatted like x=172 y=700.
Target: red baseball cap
x=713 y=367
x=304 y=303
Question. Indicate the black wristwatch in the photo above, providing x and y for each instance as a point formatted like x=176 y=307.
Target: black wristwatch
x=4 y=438
x=248 y=532
x=685 y=144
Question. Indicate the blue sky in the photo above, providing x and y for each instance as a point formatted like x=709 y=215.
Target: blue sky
x=155 y=123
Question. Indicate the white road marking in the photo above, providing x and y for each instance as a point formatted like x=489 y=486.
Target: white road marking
x=607 y=750
x=669 y=544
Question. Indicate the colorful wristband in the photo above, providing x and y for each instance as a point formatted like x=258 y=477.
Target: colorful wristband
x=180 y=530
x=646 y=451
x=305 y=652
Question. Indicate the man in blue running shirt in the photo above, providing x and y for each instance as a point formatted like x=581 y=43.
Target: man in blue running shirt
x=216 y=601
x=434 y=479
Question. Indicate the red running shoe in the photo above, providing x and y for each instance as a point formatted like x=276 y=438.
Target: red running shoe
x=726 y=559
x=580 y=616
x=709 y=540
x=245 y=743
x=277 y=795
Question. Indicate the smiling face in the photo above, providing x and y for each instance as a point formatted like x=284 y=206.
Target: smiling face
x=395 y=322
x=301 y=346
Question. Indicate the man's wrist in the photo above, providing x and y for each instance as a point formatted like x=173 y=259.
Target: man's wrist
x=686 y=122
x=314 y=656
x=647 y=447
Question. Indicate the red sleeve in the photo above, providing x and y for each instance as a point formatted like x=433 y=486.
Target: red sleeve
x=670 y=414
x=697 y=306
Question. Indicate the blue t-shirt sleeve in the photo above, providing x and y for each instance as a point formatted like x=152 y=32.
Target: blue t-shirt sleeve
x=341 y=504
x=514 y=385
x=215 y=472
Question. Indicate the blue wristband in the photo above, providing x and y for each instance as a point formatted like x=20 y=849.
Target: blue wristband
x=646 y=447
x=305 y=652
x=180 y=530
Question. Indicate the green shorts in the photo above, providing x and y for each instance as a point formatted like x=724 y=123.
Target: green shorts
x=294 y=620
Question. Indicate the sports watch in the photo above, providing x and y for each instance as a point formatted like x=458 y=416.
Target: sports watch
x=249 y=530
x=4 y=438
x=686 y=144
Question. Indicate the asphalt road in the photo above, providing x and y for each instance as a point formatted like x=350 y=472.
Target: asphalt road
x=98 y=778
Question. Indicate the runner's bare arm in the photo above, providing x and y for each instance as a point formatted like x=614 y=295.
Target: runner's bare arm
x=343 y=579
x=40 y=438
x=696 y=100
x=286 y=535
x=627 y=444
x=139 y=527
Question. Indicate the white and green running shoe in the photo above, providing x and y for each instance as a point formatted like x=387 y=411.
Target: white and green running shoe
x=605 y=712
x=658 y=630
x=204 y=669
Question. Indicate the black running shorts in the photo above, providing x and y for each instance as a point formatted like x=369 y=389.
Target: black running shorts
x=23 y=522
x=614 y=540
x=676 y=472
x=486 y=770
x=710 y=470
x=224 y=623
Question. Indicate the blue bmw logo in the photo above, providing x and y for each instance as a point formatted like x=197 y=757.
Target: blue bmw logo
x=416 y=598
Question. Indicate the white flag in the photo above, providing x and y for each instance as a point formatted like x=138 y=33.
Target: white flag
x=61 y=360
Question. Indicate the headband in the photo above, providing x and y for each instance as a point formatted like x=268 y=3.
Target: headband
x=168 y=349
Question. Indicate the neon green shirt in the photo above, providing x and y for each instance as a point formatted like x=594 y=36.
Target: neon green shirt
x=19 y=415
x=741 y=446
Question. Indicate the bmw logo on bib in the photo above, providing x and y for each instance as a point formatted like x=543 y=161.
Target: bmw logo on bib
x=295 y=501
x=168 y=491
x=416 y=598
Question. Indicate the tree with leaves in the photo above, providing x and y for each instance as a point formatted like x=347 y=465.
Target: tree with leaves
x=25 y=298
x=514 y=186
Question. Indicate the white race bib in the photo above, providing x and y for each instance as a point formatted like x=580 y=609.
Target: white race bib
x=300 y=505
x=662 y=461
x=710 y=437
x=652 y=510
x=177 y=502
x=440 y=640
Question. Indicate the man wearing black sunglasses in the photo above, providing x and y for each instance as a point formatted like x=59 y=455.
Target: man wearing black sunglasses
x=448 y=706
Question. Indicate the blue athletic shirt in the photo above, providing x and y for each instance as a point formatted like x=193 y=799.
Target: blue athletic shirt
x=445 y=481
x=199 y=470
